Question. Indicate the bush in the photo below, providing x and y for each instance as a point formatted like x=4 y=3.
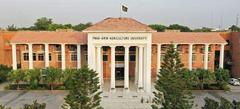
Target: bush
x=222 y=76
x=53 y=76
x=16 y=76
x=67 y=77
x=33 y=77
x=4 y=70
x=210 y=104
x=35 y=105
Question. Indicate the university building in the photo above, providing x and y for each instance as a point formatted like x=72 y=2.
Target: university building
x=125 y=53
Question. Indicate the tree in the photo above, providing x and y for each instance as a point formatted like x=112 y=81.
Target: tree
x=42 y=23
x=67 y=77
x=225 y=104
x=234 y=28
x=171 y=89
x=4 y=71
x=203 y=29
x=12 y=28
x=222 y=76
x=53 y=76
x=179 y=27
x=33 y=76
x=210 y=104
x=158 y=27
x=35 y=105
x=16 y=76
x=84 y=91
x=82 y=26
x=204 y=77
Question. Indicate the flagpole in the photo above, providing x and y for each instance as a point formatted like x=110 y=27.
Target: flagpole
x=120 y=10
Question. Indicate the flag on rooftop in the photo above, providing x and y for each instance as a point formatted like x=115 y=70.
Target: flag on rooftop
x=124 y=8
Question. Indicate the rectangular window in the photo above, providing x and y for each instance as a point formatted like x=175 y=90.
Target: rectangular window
x=41 y=57
x=72 y=48
x=59 y=56
x=119 y=57
x=74 y=57
x=57 y=47
x=132 y=58
x=194 y=57
x=132 y=49
x=41 y=47
x=34 y=57
x=194 y=49
x=105 y=49
x=208 y=58
x=50 y=57
x=179 y=49
x=105 y=57
x=25 y=57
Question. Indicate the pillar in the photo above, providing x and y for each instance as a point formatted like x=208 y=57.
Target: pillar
x=148 y=71
x=46 y=55
x=136 y=65
x=206 y=56
x=140 y=68
x=78 y=56
x=30 y=54
x=221 y=60
x=158 y=58
x=63 y=56
x=113 y=68
x=126 y=68
x=14 y=57
x=190 y=56
x=99 y=63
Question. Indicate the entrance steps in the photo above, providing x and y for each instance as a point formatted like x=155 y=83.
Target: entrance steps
x=126 y=100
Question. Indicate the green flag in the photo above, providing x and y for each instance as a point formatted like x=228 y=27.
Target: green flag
x=124 y=8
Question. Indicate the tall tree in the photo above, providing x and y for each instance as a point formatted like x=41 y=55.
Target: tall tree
x=82 y=26
x=84 y=90
x=179 y=27
x=158 y=27
x=12 y=28
x=42 y=23
x=234 y=28
x=171 y=89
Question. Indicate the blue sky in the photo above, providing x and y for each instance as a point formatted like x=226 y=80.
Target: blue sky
x=192 y=13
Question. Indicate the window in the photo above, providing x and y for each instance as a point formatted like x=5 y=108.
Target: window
x=34 y=57
x=59 y=56
x=210 y=49
x=163 y=47
x=179 y=49
x=194 y=49
x=119 y=48
x=162 y=57
x=74 y=57
x=26 y=47
x=41 y=47
x=72 y=48
x=105 y=57
x=57 y=47
x=50 y=57
x=194 y=57
x=132 y=58
x=119 y=57
x=208 y=58
x=105 y=48
x=25 y=57
x=40 y=57
x=132 y=49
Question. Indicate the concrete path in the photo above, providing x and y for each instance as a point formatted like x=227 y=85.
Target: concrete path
x=118 y=100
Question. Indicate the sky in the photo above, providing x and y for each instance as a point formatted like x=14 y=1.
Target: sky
x=192 y=13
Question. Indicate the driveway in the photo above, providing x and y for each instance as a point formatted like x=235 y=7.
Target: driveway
x=54 y=99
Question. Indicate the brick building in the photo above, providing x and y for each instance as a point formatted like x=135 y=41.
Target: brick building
x=119 y=49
